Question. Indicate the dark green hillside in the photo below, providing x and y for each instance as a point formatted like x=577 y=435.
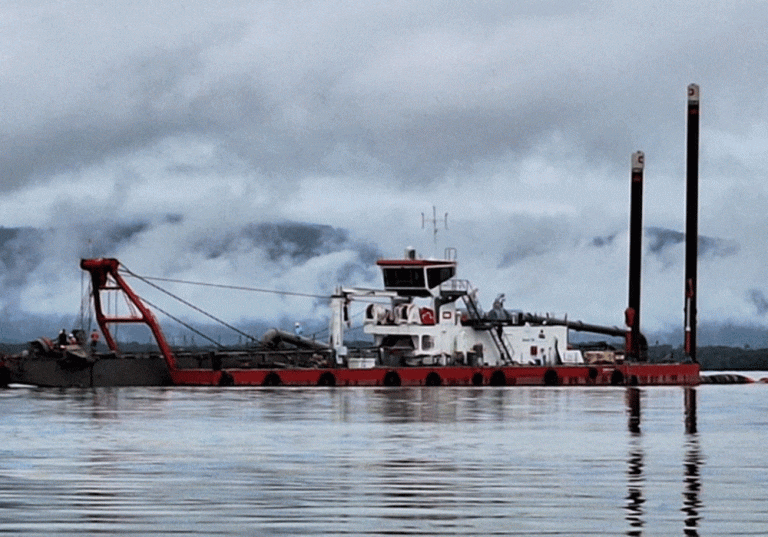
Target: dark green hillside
x=716 y=357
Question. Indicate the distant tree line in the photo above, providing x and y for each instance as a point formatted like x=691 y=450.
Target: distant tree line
x=716 y=358
x=711 y=358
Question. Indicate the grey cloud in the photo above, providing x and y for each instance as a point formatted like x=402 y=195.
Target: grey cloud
x=106 y=240
x=19 y=254
x=22 y=250
x=759 y=301
x=513 y=101
x=292 y=241
x=136 y=103
x=662 y=239
x=541 y=236
x=533 y=237
x=606 y=240
x=416 y=100
x=717 y=247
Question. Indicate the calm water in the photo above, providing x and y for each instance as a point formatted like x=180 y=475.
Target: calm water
x=423 y=461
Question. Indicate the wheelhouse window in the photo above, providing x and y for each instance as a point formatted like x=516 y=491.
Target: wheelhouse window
x=437 y=275
x=427 y=343
x=404 y=277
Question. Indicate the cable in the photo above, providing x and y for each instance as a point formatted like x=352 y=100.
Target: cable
x=183 y=323
x=223 y=286
x=148 y=280
x=145 y=280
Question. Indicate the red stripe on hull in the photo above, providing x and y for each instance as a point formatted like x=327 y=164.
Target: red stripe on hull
x=576 y=375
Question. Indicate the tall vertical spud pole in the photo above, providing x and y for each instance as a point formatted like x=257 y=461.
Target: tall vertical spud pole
x=635 y=255
x=691 y=221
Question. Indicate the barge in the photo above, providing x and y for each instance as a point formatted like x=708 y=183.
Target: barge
x=428 y=329
x=427 y=326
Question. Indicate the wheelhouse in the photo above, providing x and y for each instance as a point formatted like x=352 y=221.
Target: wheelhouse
x=415 y=277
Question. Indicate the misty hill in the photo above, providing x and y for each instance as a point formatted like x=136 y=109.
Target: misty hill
x=286 y=245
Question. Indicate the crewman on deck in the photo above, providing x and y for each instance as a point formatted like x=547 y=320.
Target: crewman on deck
x=62 y=340
x=94 y=339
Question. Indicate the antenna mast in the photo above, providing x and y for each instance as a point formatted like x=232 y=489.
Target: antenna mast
x=434 y=221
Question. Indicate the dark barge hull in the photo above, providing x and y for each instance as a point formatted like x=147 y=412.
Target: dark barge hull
x=131 y=370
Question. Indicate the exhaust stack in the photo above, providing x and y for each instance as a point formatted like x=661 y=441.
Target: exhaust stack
x=635 y=257
x=691 y=221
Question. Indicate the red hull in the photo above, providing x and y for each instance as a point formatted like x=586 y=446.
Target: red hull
x=571 y=375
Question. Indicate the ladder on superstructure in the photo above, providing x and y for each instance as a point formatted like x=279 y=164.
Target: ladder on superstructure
x=495 y=329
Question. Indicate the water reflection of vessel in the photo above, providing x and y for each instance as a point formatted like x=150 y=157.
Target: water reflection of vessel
x=635 y=505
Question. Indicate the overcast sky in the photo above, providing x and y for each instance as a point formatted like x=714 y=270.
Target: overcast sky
x=288 y=144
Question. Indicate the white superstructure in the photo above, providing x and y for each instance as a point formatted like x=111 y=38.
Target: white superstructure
x=433 y=318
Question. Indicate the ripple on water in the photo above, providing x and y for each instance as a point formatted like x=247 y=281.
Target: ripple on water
x=496 y=461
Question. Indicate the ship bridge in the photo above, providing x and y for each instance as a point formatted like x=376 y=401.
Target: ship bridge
x=413 y=277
